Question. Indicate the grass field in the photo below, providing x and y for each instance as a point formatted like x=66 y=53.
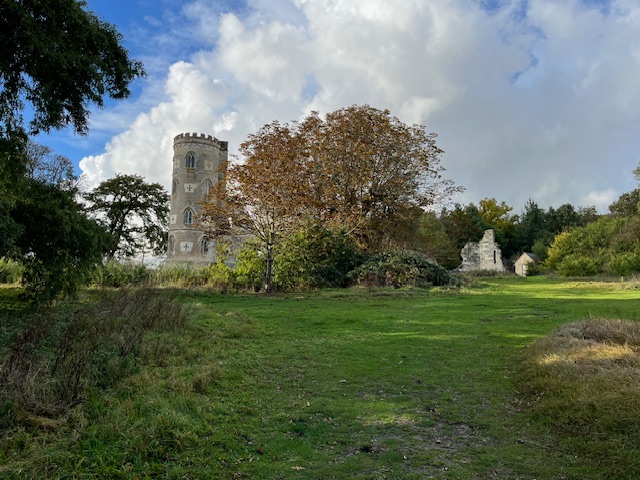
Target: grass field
x=335 y=384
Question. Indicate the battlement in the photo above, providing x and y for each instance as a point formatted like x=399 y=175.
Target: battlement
x=200 y=138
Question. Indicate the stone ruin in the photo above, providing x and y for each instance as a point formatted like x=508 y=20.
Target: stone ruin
x=483 y=255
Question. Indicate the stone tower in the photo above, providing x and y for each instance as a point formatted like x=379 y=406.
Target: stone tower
x=196 y=168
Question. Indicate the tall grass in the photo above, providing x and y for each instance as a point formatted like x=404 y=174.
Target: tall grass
x=10 y=271
x=584 y=379
x=59 y=353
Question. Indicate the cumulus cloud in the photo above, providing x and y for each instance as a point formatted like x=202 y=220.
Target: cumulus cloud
x=530 y=99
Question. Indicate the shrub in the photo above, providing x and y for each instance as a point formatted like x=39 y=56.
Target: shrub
x=626 y=263
x=579 y=266
x=64 y=351
x=248 y=272
x=115 y=274
x=400 y=269
x=315 y=257
x=10 y=271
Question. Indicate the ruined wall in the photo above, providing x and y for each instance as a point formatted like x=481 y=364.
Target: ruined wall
x=482 y=255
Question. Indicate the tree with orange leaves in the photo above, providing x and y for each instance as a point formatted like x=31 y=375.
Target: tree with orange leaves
x=359 y=170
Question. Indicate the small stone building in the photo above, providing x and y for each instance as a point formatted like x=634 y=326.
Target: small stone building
x=484 y=255
x=523 y=262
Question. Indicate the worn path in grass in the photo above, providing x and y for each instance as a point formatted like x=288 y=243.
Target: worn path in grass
x=358 y=384
x=392 y=384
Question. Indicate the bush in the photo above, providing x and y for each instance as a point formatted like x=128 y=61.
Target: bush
x=248 y=272
x=626 y=263
x=64 y=351
x=400 y=269
x=579 y=266
x=10 y=271
x=315 y=257
x=115 y=274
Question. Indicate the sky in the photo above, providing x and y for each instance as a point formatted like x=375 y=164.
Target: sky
x=530 y=99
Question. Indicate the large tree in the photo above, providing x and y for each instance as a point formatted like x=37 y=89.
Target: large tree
x=57 y=60
x=373 y=173
x=58 y=244
x=358 y=170
x=133 y=212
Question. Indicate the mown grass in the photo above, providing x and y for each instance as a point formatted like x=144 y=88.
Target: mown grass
x=362 y=384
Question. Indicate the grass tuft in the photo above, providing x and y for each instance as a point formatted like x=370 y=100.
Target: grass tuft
x=584 y=379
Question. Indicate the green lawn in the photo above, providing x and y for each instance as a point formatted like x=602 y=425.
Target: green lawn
x=357 y=384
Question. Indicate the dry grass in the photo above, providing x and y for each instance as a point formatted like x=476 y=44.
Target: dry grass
x=585 y=379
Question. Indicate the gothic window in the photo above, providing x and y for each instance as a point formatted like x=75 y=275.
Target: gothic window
x=174 y=187
x=206 y=186
x=188 y=216
x=204 y=246
x=191 y=160
x=172 y=245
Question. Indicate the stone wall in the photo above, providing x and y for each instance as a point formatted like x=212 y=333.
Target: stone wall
x=483 y=255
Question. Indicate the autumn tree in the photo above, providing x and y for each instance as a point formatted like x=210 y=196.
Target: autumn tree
x=133 y=212
x=373 y=174
x=265 y=197
x=359 y=170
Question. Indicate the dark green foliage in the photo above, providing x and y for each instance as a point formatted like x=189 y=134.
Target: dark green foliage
x=399 y=269
x=315 y=257
x=60 y=58
x=59 y=246
x=133 y=212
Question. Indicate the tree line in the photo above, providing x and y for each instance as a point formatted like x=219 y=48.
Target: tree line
x=348 y=197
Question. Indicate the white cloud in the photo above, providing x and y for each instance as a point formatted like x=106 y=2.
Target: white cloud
x=535 y=99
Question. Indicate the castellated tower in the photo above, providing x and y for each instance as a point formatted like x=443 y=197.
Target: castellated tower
x=196 y=168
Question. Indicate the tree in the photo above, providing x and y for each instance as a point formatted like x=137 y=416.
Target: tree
x=48 y=167
x=265 y=197
x=58 y=244
x=359 y=169
x=133 y=212
x=498 y=217
x=373 y=174
x=463 y=224
x=532 y=227
x=627 y=204
x=57 y=58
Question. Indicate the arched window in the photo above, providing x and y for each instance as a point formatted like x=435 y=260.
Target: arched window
x=172 y=245
x=174 y=187
x=206 y=186
x=191 y=160
x=188 y=216
x=204 y=246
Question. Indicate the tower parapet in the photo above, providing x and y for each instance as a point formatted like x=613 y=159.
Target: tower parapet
x=198 y=162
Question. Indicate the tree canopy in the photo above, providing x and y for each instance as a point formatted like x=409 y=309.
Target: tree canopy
x=133 y=212
x=359 y=170
x=59 y=58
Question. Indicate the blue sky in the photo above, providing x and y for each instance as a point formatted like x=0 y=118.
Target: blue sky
x=530 y=98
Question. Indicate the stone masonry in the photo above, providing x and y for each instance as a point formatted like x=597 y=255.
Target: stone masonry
x=198 y=161
x=483 y=255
